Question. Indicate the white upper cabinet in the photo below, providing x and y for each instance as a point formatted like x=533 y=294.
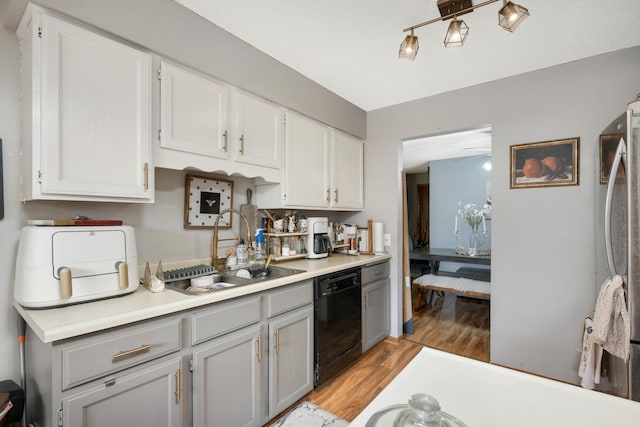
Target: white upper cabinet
x=86 y=112
x=323 y=169
x=306 y=170
x=193 y=113
x=258 y=131
x=208 y=125
x=347 y=171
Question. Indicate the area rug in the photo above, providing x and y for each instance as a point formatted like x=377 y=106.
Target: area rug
x=306 y=414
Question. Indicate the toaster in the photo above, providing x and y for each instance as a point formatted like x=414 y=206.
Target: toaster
x=58 y=266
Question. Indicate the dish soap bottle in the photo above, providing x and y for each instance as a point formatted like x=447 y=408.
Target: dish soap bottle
x=242 y=253
x=260 y=254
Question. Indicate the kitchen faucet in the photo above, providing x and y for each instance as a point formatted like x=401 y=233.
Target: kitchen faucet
x=215 y=261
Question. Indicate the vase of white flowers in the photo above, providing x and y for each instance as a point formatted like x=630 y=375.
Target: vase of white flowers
x=474 y=218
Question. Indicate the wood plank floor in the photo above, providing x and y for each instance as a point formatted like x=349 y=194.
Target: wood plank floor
x=350 y=392
x=456 y=325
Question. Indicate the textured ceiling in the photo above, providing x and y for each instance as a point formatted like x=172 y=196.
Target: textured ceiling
x=351 y=47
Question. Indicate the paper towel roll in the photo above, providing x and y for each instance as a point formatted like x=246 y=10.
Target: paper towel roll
x=378 y=238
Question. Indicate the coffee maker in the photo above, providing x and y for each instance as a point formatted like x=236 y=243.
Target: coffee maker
x=318 y=241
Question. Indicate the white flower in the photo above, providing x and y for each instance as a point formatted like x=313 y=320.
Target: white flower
x=472 y=214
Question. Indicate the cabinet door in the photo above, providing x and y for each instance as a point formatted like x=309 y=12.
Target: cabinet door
x=258 y=133
x=306 y=162
x=375 y=313
x=347 y=171
x=290 y=358
x=96 y=114
x=193 y=116
x=228 y=380
x=151 y=397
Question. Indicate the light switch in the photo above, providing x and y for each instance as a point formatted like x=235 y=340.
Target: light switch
x=387 y=239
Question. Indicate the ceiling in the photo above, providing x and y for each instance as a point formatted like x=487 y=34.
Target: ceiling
x=417 y=153
x=351 y=47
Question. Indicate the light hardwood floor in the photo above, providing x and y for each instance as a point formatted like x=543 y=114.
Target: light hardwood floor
x=350 y=392
x=456 y=325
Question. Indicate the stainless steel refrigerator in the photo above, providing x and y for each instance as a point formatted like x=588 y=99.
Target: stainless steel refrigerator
x=620 y=171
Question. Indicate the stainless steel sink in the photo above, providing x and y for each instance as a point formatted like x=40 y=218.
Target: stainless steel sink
x=233 y=278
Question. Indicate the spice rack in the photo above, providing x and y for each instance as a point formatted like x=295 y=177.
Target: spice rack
x=296 y=243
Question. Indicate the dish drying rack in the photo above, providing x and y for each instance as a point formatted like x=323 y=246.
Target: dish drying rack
x=187 y=273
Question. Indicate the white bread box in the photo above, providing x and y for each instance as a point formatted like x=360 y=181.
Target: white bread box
x=68 y=265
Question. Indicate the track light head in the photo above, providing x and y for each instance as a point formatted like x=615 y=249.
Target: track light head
x=456 y=34
x=511 y=15
x=409 y=47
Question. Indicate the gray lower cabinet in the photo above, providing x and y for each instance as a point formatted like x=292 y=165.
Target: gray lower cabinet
x=146 y=397
x=375 y=304
x=228 y=380
x=130 y=375
x=290 y=358
x=252 y=356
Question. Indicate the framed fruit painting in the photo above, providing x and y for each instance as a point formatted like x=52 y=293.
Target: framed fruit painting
x=545 y=164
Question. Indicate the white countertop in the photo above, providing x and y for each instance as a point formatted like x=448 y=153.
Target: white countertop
x=485 y=395
x=66 y=322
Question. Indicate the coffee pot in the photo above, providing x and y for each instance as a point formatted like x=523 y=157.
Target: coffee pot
x=318 y=241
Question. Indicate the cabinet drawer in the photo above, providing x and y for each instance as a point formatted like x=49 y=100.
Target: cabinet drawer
x=289 y=297
x=371 y=273
x=108 y=352
x=225 y=317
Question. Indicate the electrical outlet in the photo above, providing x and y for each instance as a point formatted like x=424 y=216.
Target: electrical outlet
x=387 y=239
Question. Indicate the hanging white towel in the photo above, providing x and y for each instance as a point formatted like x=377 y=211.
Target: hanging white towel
x=589 y=369
x=611 y=324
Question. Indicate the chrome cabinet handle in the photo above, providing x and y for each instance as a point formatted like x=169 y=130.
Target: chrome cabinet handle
x=224 y=146
x=128 y=353
x=242 y=144
x=329 y=194
x=621 y=155
x=277 y=335
x=336 y=191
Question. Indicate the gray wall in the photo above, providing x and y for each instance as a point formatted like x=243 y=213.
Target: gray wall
x=543 y=238
x=166 y=28
x=452 y=181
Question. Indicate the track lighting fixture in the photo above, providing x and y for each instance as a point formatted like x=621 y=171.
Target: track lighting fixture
x=510 y=16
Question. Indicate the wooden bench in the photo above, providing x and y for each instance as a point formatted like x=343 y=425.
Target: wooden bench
x=461 y=286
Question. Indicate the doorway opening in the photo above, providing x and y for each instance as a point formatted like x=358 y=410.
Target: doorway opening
x=440 y=172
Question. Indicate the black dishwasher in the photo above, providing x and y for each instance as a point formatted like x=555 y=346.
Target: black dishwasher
x=338 y=322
